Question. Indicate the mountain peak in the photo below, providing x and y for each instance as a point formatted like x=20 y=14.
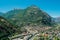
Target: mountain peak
x=33 y=6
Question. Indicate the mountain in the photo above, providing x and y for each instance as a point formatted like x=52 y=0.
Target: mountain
x=1 y=14
x=6 y=29
x=30 y=16
x=57 y=19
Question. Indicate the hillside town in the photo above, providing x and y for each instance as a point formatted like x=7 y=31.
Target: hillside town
x=45 y=33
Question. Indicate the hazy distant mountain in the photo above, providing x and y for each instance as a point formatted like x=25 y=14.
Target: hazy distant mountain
x=57 y=19
x=1 y=14
x=30 y=15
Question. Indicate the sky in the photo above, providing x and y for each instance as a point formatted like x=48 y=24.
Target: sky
x=52 y=7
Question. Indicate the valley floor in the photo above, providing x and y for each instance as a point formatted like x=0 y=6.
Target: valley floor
x=45 y=33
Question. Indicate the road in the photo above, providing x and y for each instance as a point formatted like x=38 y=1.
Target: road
x=31 y=38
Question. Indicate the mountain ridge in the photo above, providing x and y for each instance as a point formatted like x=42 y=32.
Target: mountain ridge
x=28 y=15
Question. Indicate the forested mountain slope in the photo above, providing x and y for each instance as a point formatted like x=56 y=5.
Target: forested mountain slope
x=31 y=15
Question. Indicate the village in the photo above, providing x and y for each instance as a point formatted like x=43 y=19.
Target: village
x=34 y=34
